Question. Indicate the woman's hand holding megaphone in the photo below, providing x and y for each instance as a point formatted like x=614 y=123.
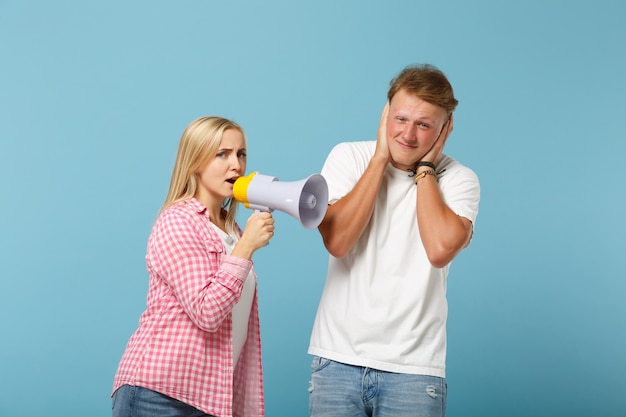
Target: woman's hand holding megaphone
x=257 y=233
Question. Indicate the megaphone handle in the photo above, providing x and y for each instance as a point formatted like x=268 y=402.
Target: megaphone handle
x=257 y=211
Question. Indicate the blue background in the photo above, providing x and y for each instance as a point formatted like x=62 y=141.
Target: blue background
x=94 y=97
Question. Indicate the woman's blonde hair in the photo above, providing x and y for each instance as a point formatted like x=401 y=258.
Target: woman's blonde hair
x=198 y=145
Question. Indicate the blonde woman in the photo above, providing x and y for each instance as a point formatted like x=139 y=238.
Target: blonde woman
x=197 y=351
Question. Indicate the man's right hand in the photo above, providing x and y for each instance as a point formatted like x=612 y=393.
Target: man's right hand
x=382 y=147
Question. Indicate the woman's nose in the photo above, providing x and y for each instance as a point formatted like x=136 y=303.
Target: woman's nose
x=235 y=162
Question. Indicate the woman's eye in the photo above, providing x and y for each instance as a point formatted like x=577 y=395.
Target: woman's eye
x=242 y=155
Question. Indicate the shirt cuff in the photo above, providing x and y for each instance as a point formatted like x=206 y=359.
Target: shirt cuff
x=237 y=267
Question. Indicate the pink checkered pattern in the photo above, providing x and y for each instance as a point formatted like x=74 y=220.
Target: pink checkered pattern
x=183 y=346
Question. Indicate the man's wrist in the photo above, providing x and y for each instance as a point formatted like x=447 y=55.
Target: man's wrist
x=426 y=164
x=424 y=173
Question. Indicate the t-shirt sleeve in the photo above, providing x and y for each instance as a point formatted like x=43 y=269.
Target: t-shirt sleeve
x=461 y=191
x=343 y=167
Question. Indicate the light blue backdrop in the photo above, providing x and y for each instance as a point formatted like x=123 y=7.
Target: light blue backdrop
x=95 y=95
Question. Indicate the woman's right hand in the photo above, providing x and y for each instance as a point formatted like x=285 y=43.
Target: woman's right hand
x=257 y=233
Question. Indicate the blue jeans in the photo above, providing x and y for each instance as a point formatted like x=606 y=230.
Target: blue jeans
x=132 y=401
x=340 y=390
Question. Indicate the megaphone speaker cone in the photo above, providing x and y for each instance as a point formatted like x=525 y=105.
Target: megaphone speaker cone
x=307 y=201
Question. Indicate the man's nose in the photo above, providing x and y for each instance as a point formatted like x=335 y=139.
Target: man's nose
x=409 y=132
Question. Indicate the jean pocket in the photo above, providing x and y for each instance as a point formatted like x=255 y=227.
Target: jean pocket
x=319 y=363
x=114 y=398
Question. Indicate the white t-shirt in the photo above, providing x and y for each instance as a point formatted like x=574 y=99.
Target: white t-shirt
x=241 y=310
x=384 y=305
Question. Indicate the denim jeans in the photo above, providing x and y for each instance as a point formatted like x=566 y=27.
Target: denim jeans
x=132 y=401
x=340 y=390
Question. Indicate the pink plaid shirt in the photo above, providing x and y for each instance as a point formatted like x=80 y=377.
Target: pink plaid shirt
x=183 y=346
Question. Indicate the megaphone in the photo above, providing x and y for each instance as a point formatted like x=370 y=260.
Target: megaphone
x=306 y=200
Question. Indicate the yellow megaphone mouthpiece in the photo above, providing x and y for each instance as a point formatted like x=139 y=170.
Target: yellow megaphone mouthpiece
x=240 y=189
